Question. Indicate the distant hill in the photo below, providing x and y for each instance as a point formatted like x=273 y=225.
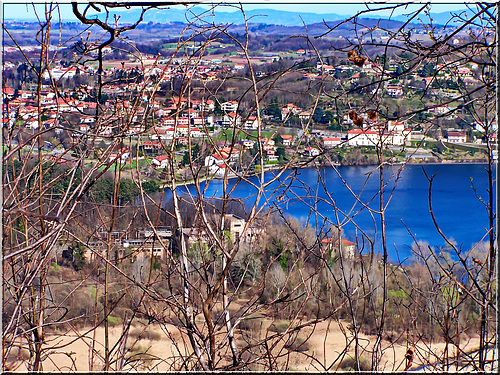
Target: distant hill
x=440 y=18
x=258 y=16
x=265 y=16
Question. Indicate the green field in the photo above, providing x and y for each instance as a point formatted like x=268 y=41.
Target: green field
x=252 y=135
x=135 y=164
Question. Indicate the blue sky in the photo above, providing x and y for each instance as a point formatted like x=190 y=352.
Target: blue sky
x=18 y=9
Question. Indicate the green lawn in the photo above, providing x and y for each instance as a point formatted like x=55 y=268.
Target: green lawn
x=252 y=135
x=142 y=162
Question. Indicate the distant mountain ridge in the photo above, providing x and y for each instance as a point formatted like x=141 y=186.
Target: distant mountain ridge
x=256 y=16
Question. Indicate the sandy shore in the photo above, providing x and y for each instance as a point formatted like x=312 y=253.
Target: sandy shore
x=162 y=349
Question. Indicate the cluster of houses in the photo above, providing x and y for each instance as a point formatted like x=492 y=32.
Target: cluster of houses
x=183 y=121
x=393 y=133
x=158 y=242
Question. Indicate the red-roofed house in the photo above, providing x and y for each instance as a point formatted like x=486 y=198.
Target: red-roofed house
x=359 y=137
x=160 y=162
x=252 y=123
x=312 y=151
x=286 y=140
x=329 y=142
x=456 y=137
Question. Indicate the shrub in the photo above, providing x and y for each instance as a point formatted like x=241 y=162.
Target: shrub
x=250 y=324
x=349 y=364
x=279 y=327
x=114 y=320
x=297 y=344
x=146 y=334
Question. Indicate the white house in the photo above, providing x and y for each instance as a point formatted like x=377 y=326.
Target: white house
x=160 y=162
x=358 y=137
x=394 y=90
x=440 y=110
x=312 y=152
x=268 y=144
x=289 y=110
x=197 y=133
x=231 y=119
x=456 y=137
x=330 y=142
x=213 y=159
x=396 y=126
x=271 y=155
x=163 y=133
x=247 y=143
x=218 y=170
x=198 y=121
x=84 y=128
x=122 y=154
x=252 y=123
x=286 y=140
x=305 y=115
x=231 y=106
x=87 y=119
x=31 y=124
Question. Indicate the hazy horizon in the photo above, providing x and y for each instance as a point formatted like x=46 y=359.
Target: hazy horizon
x=17 y=10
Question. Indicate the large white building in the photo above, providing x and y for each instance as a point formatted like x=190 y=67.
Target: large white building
x=231 y=106
x=369 y=137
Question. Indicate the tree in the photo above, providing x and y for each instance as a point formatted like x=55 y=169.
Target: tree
x=318 y=115
x=274 y=109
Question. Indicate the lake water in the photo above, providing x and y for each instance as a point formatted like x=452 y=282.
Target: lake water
x=459 y=213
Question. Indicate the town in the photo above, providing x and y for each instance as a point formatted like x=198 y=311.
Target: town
x=164 y=133
x=283 y=129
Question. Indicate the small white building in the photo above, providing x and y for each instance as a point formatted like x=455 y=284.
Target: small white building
x=394 y=90
x=218 y=170
x=120 y=155
x=231 y=119
x=456 y=137
x=330 y=142
x=231 y=106
x=162 y=133
x=312 y=151
x=252 y=123
x=160 y=162
x=247 y=143
x=286 y=140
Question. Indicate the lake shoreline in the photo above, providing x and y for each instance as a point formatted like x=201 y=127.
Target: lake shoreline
x=188 y=183
x=408 y=209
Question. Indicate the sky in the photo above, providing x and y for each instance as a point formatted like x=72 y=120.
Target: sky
x=16 y=9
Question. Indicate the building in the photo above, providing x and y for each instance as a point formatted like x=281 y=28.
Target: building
x=252 y=123
x=160 y=162
x=122 y=155
x=231 y=106
x=247 y=143
x=312 y=152
x=286 y=140
x=330 y=142
x=151 y=147
x=394 y=90
x=456 y=137
x=359 y=137
x=231 y=119
x=162 y=133
x=347 y=248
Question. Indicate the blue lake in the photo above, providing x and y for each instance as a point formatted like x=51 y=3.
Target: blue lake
x=458 y=211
